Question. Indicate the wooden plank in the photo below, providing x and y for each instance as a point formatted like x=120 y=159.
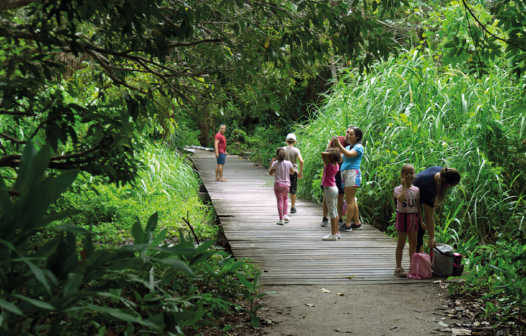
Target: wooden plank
x=294 y=253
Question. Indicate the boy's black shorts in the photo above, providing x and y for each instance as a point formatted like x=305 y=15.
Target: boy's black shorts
x=293 y=184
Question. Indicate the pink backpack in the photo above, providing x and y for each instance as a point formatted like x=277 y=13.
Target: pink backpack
x=420 y=267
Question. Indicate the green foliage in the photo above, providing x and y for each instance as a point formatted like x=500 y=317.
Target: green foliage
x=165 y=184
x=60 y=288
x=411 y=112
x=501 y=269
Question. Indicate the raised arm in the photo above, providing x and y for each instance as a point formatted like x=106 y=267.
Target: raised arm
x=325 y=157
x=345 y=152
x=401 y=195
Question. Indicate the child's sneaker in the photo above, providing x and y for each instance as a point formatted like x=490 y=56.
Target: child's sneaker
x=293 y=210
x=286 y=218
x=325 y=221
x=341 y=223
x=338 y=235
x=280 y=222
x=399 y=272
x=356 y=226
x=330 y=237
x=346 y=228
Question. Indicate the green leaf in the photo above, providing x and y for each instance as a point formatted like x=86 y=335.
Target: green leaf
x=256 y=279
x=178 y=264
x=36 y=303
x=73 y=229
x=254 y=319
x=61 y=215
x=73 y=283
x=244 y=281
x=152 y=223
x=11 y=307
x=183 y=251
x=39 y=274
x=201 y=257
x=138 y=233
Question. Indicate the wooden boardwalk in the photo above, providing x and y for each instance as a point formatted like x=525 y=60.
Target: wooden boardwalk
x=293 y=253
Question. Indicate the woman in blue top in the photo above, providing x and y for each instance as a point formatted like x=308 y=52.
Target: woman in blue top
x=351 y=173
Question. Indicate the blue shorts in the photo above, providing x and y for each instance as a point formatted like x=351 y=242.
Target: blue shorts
x=221 y=159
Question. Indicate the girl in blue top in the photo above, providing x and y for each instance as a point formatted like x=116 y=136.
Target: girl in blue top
x=351 y=173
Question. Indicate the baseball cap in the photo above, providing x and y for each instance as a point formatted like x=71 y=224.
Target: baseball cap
x=291 y=136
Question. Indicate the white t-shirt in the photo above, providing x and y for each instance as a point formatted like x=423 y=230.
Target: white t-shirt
x=292 y=154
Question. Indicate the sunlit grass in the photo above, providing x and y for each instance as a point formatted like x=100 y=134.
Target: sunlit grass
x=411 y=112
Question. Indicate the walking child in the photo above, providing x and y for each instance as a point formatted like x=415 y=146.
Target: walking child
x=293 y=155
x=281 y=169
x=331 y=161
x=408 y=216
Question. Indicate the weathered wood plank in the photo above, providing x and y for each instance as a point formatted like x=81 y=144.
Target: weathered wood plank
x=292 y=254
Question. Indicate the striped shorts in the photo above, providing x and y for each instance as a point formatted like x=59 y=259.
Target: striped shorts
x=406 y=222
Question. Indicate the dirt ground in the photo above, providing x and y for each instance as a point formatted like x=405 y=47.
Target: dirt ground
x=363 y=310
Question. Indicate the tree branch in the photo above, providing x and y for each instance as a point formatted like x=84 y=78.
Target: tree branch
x=487 y=31
x=186 y=44
x=12 y=4
x=5 y=136
x=17 y=113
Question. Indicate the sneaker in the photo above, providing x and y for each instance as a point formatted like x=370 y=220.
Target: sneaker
x=347 y=228
x=286 y=218
x=338 y=235
x=341 y=223
x=330 y=237
x=280 y=222
x=325 y=222
x=356 y=226
x=292 y=210
x=399 y=272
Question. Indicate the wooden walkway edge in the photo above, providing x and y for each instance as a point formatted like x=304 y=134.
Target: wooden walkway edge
x=292 y=254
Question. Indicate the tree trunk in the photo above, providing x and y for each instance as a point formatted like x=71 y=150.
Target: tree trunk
x=204 y=128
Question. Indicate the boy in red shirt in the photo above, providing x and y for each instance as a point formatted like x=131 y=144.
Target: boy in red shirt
x=220 y=150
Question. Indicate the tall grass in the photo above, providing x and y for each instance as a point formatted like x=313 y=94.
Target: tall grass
x=413 y=112
x=166 y=184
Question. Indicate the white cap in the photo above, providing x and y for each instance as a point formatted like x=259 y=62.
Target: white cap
x=291 y=136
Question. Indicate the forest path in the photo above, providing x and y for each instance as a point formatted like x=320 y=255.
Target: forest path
x=292 y=254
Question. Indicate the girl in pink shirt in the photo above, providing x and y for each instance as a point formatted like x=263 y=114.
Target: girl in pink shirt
x=408 y=215
x=281 y=169
x=331 y=161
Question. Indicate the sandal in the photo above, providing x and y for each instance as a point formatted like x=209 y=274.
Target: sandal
x=399 y=272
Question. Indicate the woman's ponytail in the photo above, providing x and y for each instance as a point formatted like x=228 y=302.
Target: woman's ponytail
x=448 y=177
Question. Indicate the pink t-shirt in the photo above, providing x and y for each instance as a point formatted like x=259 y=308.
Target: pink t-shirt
x=410 y=205
x=282 y=173
x=329 y=173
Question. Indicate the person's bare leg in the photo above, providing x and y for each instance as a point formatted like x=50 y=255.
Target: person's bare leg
x=340 y=205
x=325 y=209
x=292 y=200
x=350 y=192
x=221 y=179
x=402 y=237
x=334 y=225
x=356 y=214
x=217 y=172
x=412 y=235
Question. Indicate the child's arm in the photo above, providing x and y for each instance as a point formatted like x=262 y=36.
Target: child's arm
x=420 y=217
x=271 y=170
x=401 y=195
x=291 y=171
x=300 y=173
x=325 y=157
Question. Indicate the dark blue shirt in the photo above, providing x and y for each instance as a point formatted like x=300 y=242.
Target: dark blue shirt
x=425 y=181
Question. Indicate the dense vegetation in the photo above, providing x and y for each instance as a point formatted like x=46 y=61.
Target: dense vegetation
x=96 y=98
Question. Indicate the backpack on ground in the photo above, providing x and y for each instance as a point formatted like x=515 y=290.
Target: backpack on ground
x=442 y=260
x=420 y=267
x=458 y=267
